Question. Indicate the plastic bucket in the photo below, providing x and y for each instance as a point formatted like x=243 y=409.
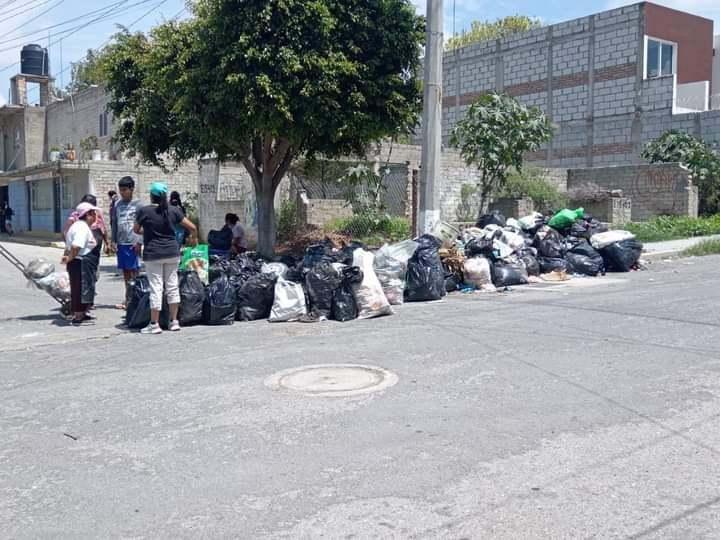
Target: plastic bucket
x=446 y=233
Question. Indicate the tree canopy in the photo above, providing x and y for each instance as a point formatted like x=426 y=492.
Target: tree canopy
x=494 y=136
x=487 y=30
x=264 y=82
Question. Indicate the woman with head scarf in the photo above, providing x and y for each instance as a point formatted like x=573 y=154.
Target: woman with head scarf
x=80 y=242
x=157 y=222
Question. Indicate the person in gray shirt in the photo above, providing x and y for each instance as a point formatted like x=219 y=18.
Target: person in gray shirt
x=126 y=243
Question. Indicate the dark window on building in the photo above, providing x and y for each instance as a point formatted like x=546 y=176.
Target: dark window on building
x=659 y=58
x=104 y=124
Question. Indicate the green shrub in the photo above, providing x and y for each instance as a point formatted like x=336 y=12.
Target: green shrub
x=531 y=184
x=469 y=205
x=287 y=221
x=674 y=227
x=372 y=229
x=706 y=247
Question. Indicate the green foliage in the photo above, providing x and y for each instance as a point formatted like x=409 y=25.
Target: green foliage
x=467 y=208
x=693 y=153
x=487 y=30
x=287 y=220
x=88 y=72
x=706 y=247
x=371 y=229
x=364 y=189
x=495 y=134
x=531 y=184
x=266 y=81
x=664 y=228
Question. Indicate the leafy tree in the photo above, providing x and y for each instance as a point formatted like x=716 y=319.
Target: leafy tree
x=532 y=184
x=691 y=152
x=487 y=30
x=267 y=81
x=494 y=135
x=87 y=72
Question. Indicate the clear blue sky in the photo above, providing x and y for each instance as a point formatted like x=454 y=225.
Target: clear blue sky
x=28 y=21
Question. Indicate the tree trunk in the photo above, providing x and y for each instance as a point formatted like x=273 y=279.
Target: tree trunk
x=267 y=226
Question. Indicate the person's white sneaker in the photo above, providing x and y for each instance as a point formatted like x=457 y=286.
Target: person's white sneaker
x=152 y=328
x=174 y=326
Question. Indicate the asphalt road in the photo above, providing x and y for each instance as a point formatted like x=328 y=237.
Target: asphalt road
x=583 y=410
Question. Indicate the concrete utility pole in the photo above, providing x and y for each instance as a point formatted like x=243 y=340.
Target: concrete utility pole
x=432 y=118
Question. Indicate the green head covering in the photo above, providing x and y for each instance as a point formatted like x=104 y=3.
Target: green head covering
x=158 y=189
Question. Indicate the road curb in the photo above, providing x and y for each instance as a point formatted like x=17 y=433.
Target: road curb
x=655 y=256
x=36 y=242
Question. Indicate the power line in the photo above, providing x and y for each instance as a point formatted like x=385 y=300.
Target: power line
x=109 y=13
x=28 y=7
x=68 y=21
x=6 y=4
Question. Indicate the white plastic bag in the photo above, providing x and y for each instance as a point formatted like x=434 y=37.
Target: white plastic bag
x=278 y=269
x=289 y=304
x=391 y=266
x=56 y=284
x=605 y=239
x=531 y=221
x=369 y=296
x=39 y=268
x=513 y=225
x=514 y=240
x=477 y=271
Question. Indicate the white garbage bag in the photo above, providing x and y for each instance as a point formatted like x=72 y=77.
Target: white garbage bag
x=605 y=239
x=289 y=304
x=477 y=271
x=39 y=268
x=531 y=221
x=513 y=225
x=369 y=296
x=56 y=284
x=280 y=270
x=514 y=240
x=391 y=266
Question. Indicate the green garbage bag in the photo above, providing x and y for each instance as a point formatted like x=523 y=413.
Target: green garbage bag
x=565 y=218
x=196 y=258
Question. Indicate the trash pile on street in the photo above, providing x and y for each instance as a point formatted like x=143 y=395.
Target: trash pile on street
x=347 y=282
x=41 y=273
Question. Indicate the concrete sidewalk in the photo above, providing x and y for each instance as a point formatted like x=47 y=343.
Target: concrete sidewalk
x=673 y=248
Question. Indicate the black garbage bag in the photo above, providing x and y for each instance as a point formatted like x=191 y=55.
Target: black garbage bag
x=493 y=218
x=509 y=274
x=532 y=266
x=137 y=314
x=583 y=259
x=321 y=282
x=425 y=273
x=219 y=307
x=552 y=264
x=192 y=298
x=548 y=243
x=453 y=282
x=220 y=240
x=622 y=256
x=344 y=307
x=316 y=254
x=255 y=298
x=345 y=255
x=479 y=246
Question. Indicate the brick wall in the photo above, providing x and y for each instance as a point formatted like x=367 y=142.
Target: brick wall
x=653 y=189
x=586 y=74
x=72 y=120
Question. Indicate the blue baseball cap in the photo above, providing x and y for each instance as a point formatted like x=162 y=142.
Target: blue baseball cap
x=158 y=188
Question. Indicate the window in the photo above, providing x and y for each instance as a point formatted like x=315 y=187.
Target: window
x=41 y=193
x=68 y=193
x=660 y=58
x=104 y=124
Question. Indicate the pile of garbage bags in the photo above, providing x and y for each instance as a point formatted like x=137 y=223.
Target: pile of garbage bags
x=351 y=282
x=41 y=274
x=500 y=252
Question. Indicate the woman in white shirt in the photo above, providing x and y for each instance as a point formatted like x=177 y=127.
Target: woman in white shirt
x=79 y=242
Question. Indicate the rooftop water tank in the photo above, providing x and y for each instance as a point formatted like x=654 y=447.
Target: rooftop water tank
x=34 y=60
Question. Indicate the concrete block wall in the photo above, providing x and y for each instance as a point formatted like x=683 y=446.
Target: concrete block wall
x=74 y=119
x=653 y=189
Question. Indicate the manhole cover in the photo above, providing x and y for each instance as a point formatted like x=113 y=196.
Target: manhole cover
x=333 y=380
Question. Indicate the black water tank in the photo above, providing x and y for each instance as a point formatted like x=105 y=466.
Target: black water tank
x=34 y=61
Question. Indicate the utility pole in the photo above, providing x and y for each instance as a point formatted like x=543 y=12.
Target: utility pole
x=432 y=118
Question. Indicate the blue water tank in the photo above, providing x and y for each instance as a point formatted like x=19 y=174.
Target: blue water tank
x=34 y=60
